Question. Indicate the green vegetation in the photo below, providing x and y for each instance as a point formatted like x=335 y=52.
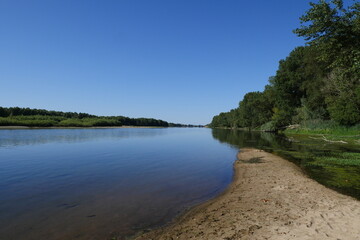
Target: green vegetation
x=342 y=159
x=334 y=164
x=317 y=86
x=16 y=116
x=327 y=130
x=329 y=164
x=324 y=127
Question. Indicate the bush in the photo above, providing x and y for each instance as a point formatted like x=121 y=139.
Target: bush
x=74 y=123
x=281 y=118
x=268 y=127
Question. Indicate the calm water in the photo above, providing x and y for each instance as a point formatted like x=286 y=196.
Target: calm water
x=109 y=183
x=104 y=183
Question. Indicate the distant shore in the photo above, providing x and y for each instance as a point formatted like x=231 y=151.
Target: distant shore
x=269 y=198
x=26 y=127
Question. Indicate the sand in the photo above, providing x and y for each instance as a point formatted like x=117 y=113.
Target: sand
x=269 y=198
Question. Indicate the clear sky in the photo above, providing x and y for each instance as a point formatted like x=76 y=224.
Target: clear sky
x=176 y=60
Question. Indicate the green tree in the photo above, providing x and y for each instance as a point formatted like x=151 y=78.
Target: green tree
x=287 y=84
x=255 y=109
x=334 y=31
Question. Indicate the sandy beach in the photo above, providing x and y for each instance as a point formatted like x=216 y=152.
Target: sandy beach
x=269 y=198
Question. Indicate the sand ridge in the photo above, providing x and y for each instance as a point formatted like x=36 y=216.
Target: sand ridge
x=269 y=198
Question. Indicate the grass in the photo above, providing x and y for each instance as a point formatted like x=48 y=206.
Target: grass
x=328 y=131
x=325 y=127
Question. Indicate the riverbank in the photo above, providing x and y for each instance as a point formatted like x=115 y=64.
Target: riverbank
x=352 y=138
x=26 y=127
x=269 y=198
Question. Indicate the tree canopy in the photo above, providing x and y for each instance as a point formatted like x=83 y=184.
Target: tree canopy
x=320 y=80
x=16 y=116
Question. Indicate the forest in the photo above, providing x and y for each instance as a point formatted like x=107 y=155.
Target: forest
x=16 y=116
x=316 y=86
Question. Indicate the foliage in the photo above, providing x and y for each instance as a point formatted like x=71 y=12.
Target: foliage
x=319 y=81
x=16 y=116
x=31 y=122
x=255 y=109
x=268 y=127
x=334 y=31
x=318 y=126
x=227 y=120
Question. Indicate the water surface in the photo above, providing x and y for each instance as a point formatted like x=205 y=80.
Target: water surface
x=111 y=183
x=105 y=183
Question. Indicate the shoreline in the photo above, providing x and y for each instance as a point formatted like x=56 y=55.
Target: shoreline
x=26 y=127
x=269 y=198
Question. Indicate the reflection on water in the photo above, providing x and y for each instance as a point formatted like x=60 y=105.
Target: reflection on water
x=305 y=152
x=17 y=137
x=104 y=183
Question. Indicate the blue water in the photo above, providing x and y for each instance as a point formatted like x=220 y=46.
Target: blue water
x=104 y=183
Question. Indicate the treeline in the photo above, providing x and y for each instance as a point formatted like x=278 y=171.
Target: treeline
x=15 y=116
x=316 y=83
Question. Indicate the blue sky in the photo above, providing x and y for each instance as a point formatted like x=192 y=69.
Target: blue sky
x=181 y=61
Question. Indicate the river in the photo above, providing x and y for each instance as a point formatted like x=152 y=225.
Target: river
x=111 y=183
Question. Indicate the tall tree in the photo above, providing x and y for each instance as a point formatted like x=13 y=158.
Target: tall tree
x=335 y=32
x=255 y=109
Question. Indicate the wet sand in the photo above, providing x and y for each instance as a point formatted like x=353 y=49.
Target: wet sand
x=269 y=198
